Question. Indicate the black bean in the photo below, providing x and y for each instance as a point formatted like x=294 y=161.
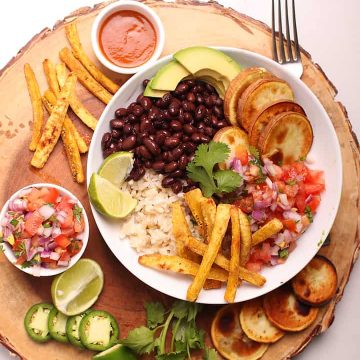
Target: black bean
x=148 y=164
x=209 y=131
x=144 y=152
x=188 y=129
x=129 y=143
x=196 y=137
x=146 y=103
x=139 y=172
x=176 y=153
x=210 y=88
x=106 y=140
x=182 y=88
x=214 y=121
x=138 y=110
x=190 y=83
x=175 y=125
x=167 y=181
x=171 y=166
x=177 y=173
x=188 y=118
x=176 y=186
x=136 y=128
x=218 y=112
x=190 y=97
x=187 y=188
x=204 y=138
x=131 y=106
x=200 y=112
x=132 y=119
x=166 y=115
x=189 y=147
x=219 y=102
x=185 y=138
x=139 y=98
x=121 y=112
x=153 y=113
x=151 y=146
x=221 y=124
x=166 y=99
x=145 y=125
x=177 y=135
x=172 y=142
x=115 y=134
x=117 y=123
x=145 y=82
x=166 y=156
x=158 y=165
x=199 y=99
x=209 y=103
x=160 y=137
x=119 y=145
x=183 y=161
x=173 y=110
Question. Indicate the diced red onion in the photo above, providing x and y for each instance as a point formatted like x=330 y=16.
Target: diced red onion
x=269 y=183
x=284 y=207
x=4 y=221
x=52 y=246
x=28 y=214
x=43 y=241
x=39 y=249
x=259 y=205
x=56 y=231
x=54 y=256
x=45 y=254
x=274 y=260
x=274 y=251
x=292 y=215
x=72 y=201
x=273 y=206
x=30 y=254
x=58 y=199
x=284 y=200
x=258 y=215
x=46 y=211
x=63 y=263
x=287 y=236
x=6 y=233
x=299 y=227
x=27 y=243
x=17 y=205
x=254 y=227
x=236 y=166
x=80 y=236
x=279 y=239
x=40 y=230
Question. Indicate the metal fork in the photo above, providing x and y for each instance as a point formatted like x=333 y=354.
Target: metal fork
x=291 y=57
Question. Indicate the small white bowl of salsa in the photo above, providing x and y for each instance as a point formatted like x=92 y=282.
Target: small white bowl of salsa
x=127 y=36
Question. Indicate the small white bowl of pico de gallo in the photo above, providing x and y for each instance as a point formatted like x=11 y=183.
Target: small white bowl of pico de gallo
x=44 y=229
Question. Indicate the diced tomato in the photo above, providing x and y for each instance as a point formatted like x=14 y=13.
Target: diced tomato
x=289 y=224
x=68 y=232
x=75 y=247
x=65 y=256
x=35 y=204
x=44 y=191
x=315 y=176
x=300 y=202
x=241 y=153
x=254 y=266
x=280 y=185
x=50 y=196
x=291 y=190
x=79 y=225
x=24 y=235
x=300 y=169
x=313 y=188
x=35 y=241
x=48 y=260
x=64 y=203
x=264 y=252
x=20 y=260
x=246 y=204
x=69 y=219
x=34 y=195
x=62 y=241
x=314 y=203
x=17 y=245
x=33 y=222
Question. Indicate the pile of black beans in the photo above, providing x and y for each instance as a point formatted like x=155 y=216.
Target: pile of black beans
x=164 y=132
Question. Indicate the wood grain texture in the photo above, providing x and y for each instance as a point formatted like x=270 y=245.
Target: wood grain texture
x=123 y=294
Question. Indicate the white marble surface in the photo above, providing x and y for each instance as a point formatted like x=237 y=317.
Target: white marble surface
x=329 y=30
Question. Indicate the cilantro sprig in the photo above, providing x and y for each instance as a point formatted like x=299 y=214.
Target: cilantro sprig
x=201 y=169
x=185 y=334
x=257 y=162
x=309 y=213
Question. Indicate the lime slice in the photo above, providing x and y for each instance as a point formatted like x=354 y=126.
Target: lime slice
x=76 y=289
x=117 y=352
x=108 y=199
x=117 y=167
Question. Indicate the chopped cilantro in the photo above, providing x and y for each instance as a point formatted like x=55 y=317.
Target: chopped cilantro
x=77 y=211
x=291 y=182
x=53 y=219
x=302 y=158
x=14 y=222
x=309 y=213
x=47 y=225
x=284 y=253
x=254 y=152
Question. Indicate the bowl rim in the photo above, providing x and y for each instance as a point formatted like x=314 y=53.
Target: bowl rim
x=44 y=271
x=141 y=8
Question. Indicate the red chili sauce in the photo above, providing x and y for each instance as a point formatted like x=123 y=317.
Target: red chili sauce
x=127 y=38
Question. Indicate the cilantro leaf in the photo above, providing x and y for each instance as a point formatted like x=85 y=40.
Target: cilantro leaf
x=198 y=174
x=14 y=222
x=180 y=345
x=180 y=309
x=284 y=253
x=309 y=213
x=254 y=152
x=154 y=314
x=194 y=337
x=227 y=180
x=177 y=355
x=77 y=211
x=210 y=354
x=141 y=340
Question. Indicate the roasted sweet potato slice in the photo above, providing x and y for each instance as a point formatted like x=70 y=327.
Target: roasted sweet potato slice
x=259 y=94
x=286 y=312
x=255 y=323
x=263 y=117
x=286 y=138
x=230 y=339
x=316 y=284
x=237 y=87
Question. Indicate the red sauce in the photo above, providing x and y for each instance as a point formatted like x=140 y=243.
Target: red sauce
x=127 y=38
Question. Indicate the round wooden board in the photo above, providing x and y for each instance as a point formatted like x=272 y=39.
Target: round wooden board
x=186 y=23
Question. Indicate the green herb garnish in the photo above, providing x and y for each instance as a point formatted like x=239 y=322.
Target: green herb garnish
x=309 y=213
x=257 y=162
x=201 y=169
x=47 y=225
x=284 y=253
x=14 y=222
x=77 y=211
x=210 y=354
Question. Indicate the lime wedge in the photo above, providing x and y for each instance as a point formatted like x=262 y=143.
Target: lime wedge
x=117 y=167
x=117 y=352
x=76 y=289
x=108 y=199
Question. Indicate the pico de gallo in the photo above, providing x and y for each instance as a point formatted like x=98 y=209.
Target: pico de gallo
x=291 y=193
x=43 y=228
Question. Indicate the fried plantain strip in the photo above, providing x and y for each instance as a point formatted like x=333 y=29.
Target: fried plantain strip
x=179 y=265
x=78 y=51
x=53 y=126
x=38 y=112
x=269 y=229
x=50 y=73
x=233 y=280
x=251 y=277
x=70 y=145
x=84 y=76
x=221 y=222
x=208 y=210
x=81 y=144
x=245 y=240
x=78 y=108
x=192 y=199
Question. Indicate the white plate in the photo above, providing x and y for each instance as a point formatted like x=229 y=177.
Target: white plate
x=325 y=153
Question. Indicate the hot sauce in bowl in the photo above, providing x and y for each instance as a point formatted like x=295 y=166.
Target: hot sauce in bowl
x=127 y=36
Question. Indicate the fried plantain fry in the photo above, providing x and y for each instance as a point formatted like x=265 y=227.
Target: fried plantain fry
x=84 y=76
x=193 y=199
x=70 y=145
x=179 y=265
x=38 y=112
x=78 y=51
x=233 y=280
x=251 y=277
x=79 y=109
x=208 y=210
x=221 y=222
x=245 y=241
x=50 y=73
x=81 y=144
x=53 y=126
x=269 y=229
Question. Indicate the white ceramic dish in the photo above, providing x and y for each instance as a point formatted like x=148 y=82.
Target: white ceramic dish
x=325 y=154
x=43 y=271
x=144 y=10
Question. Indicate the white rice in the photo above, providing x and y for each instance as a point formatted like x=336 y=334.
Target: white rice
x=149 y=227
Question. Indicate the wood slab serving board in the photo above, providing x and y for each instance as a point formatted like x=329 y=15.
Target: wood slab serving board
x=186 y=23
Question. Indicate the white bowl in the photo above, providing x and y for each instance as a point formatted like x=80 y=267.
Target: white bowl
x=134 y=6
x=325 y=153
x=44 y=271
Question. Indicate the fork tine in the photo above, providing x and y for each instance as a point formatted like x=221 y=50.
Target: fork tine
x=274 y=49
x=296 y=40
x=288 y=40
x=281 y=38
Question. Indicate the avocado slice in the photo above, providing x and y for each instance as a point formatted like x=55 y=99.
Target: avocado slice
x=36 y=322
x=150 y=92
x=57 y=325
x=197 y=58
x=168 y=77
